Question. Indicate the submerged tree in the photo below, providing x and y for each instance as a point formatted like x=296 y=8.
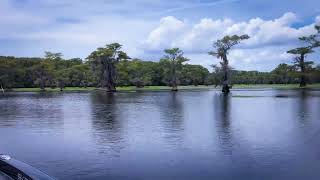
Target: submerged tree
x=175 y=58
x=104 y=62
x=301 y=53
x=222 y=47
x=299 y=61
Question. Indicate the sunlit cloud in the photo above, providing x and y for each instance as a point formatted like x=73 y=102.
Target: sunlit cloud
x=268 y=43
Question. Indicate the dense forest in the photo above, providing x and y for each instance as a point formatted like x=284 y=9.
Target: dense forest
x=53 y=71
x=109 y=67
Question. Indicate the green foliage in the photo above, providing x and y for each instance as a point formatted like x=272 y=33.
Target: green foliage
x=172 y=63
x=23 y=72
x=223 y=45
x=52 y=56
x=193 y=74
x=103 y=61
x=284 y=73
x=301 y=50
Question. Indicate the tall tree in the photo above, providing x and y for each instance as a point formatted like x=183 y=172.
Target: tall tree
x=104 y=61
x=222 y=47
x=299 y=61
x=174 y=57
x=312 y=42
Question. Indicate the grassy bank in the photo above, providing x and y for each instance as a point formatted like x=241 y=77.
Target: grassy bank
x=273 y=86
x=126 y=88
x=166 y=88
x=67 y=89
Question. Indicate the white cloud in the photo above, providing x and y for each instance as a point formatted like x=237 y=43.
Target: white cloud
x=168 y=29
x=194 y=37
x=262 y=59
x=270 y=39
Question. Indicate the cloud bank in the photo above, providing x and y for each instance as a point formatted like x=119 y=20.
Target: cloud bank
x=268 y=43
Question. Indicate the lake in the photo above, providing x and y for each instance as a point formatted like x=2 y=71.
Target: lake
x=250 y=134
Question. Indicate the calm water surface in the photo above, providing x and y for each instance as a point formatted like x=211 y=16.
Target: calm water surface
x=256 y=134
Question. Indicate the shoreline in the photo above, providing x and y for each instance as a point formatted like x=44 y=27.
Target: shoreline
x=167 y=88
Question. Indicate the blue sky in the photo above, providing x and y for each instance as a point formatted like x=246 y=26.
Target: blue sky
x=146 y=27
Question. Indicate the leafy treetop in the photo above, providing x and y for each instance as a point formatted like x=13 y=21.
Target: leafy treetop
x=223 y=45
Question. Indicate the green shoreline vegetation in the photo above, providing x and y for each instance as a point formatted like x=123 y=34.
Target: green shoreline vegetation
x=111 y=69
x=167 y=88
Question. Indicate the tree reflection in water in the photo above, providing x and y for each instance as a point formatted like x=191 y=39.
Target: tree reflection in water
x=172 y=117
x=108 y=126
x=222 y=112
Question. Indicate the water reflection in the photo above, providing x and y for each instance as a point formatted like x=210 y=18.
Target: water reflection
x=165 y=135
x=32 y=109
x=172 y=117
x=302 y=105
x=222 y=111
x=108 y=126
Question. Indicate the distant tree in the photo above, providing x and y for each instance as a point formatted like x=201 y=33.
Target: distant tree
x=78 y=75
x=104 y=61
x=222 y=48
x=62 y=78
x=139 y=73
x=193 y=74
x=43 y=73
x=314 y=74
x=175 y=58
x=45 y=69
x=283 y=73
x=7 y=72
x=52 y=56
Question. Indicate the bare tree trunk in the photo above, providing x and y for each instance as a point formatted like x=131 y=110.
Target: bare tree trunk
x=174 y=87
x=174 y=79
x=303 y=82
x=42 y=84
x=61 y=85
x=225 y=82
x=109 y=78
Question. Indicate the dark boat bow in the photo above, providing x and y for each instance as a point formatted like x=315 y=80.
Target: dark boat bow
x=17 y=170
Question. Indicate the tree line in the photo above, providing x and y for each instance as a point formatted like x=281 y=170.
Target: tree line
x=109 y=67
